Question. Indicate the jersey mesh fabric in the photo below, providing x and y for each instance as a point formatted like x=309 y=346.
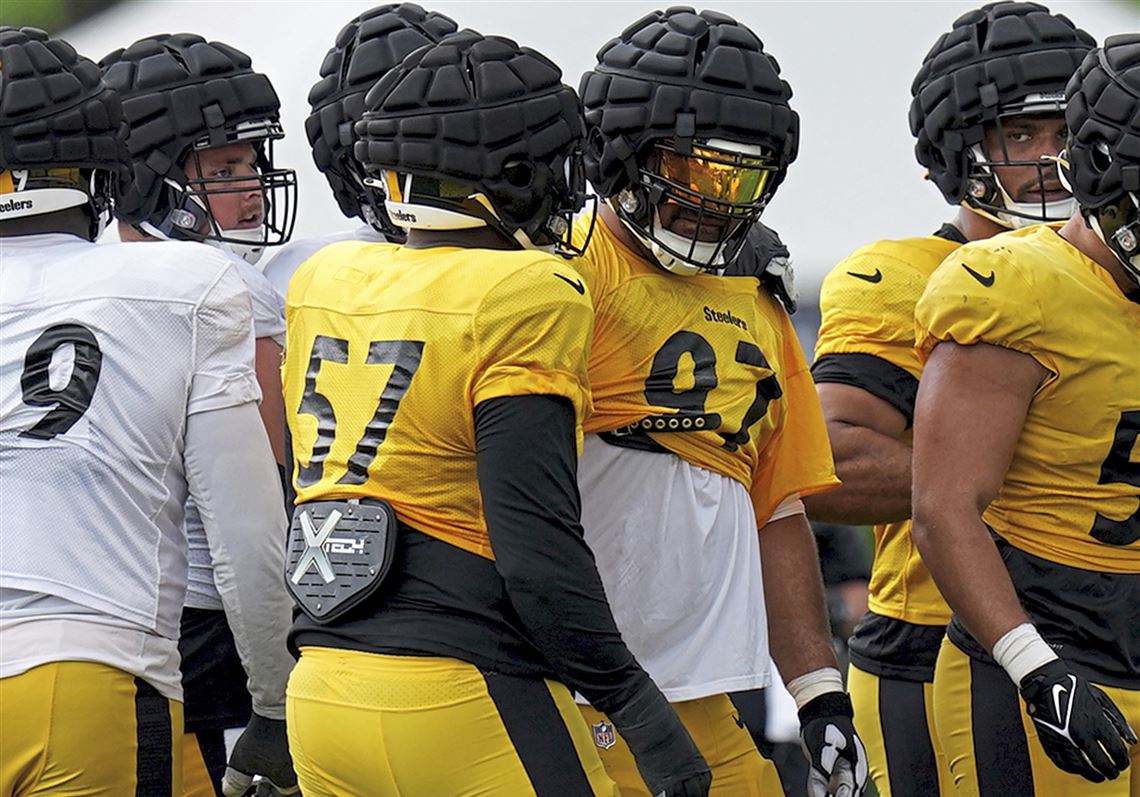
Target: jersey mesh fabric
x=173 y=329
x=867 y=307
x=1071 y=494
x=389 y=351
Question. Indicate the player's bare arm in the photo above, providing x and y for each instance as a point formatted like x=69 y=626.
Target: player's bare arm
x=971 y=405
x=870 y=459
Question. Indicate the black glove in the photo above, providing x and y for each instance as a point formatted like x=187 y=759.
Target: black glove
x=1079 y=726
x=765 y=256
x=669 y=762
x=838 y=759
x=262 y=749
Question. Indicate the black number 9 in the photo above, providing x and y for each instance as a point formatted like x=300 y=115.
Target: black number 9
x=68 y=404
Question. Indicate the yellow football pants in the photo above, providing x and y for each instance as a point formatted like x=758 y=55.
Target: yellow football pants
x=83 y=729
x=895 y=720
x=991 y=744
x=367 y=725
x=715 y=725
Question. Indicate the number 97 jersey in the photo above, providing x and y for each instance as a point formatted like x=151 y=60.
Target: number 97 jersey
x=390 y=349
x=710 y=369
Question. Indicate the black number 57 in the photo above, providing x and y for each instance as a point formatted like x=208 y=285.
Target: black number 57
x=403 y=355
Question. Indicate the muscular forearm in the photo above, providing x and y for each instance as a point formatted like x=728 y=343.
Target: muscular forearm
x=793 y=592
x=960 y=554
x=876 y=472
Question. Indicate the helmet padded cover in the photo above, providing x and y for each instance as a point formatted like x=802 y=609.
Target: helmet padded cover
x=1103 y=115
x=366 y=49
x=177 y=90
x=463 y=109
x=991 y=58
x=680 y=74
x=56 y=110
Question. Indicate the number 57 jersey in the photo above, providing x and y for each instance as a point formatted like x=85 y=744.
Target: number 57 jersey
x=708 y=368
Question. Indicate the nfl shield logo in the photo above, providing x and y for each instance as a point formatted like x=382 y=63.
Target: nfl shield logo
x=604 y=736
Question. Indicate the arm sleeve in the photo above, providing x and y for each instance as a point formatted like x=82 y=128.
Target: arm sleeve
x=527 y=469
x=223 y=348
x=234 y=483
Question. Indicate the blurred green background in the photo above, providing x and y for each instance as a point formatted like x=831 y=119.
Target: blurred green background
x=55 y=15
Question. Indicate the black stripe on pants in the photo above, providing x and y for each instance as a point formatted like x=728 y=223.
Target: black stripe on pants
x=912 y=768
x=538 y=731
x=1001 y=752
x=155 y=761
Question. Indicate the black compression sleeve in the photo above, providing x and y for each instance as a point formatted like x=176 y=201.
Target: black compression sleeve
x=527 y=468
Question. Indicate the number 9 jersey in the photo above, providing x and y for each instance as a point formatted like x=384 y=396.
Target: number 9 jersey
x=389 y=350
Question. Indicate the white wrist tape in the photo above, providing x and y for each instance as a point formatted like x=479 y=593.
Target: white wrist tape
x=811 y=685
x=1021 y=650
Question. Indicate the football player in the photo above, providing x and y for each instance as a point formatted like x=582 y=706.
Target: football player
x=126 y=385
x=706 y=426
x=365 y=49
x=988 y=107
x=201 y=121
x=436 y=392
x=1026 y=477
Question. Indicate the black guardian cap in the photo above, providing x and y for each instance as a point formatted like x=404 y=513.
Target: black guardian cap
x=477 y=131
x=686 y=108
x=62 y=133
x=182 y=94
x=365 y=50
x=1004 y=59
x=1102 y=163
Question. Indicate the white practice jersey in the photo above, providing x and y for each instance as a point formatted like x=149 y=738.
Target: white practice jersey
x=268 y=322
x=288 y=258
x=679 y=555
x=104 y=353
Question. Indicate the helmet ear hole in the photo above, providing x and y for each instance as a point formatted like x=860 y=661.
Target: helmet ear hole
x=519 y=174
x=1100 y=156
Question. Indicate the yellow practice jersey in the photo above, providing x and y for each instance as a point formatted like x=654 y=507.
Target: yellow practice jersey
x=1072 y=492
x=866 y=339
x=389 y=350
x=710 y=368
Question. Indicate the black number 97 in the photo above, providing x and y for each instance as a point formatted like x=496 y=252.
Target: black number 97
x=68 y=404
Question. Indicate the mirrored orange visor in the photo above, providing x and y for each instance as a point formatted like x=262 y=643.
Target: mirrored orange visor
x=726 y=177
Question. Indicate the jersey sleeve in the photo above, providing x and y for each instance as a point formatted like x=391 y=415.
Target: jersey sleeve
x=532 y=337
x=223 y=347
x=866 y=335
x=978 y=296
x=797 y=459
x=267 y=305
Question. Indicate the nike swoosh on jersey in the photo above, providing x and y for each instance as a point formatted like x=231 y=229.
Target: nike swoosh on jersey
x=986 y=281
x=575 y=284
x=872 y=278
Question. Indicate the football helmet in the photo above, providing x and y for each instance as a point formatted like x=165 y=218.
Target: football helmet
x=182 y=97
x=1101 y=164
x=477 y=131
x=366 y=48
x=1003 y=60
x=63 y=141
x=689 y=133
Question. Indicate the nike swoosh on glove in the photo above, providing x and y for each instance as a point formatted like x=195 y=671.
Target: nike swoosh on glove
x=1079 y=726
x=836 y=753
x=262 y=749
